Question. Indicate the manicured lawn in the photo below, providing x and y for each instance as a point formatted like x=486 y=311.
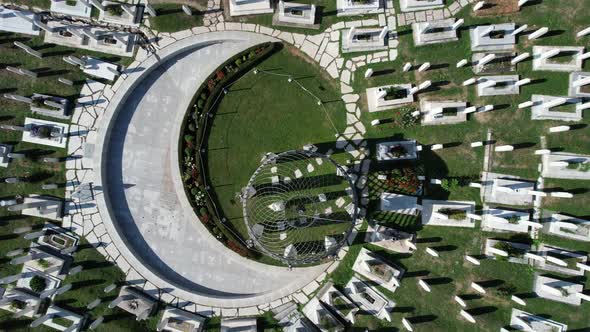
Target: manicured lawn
x=171 y=18
x=265 y=113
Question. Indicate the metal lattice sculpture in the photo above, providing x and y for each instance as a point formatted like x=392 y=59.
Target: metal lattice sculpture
x=299 y=207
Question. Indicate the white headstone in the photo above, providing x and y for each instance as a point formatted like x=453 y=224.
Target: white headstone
x=559 y=129
x=472 y=260
x=436 y=147
x=407 y=67
x=555 y=260
x=407 y=324
x=498 y=252
x=542 y=152
x=555 y=102
x=522 y=82
x=486 y=59
x=518 y=300
x=470 y=81
x=368 y=73
x=424 y=285
x=525 y=104
x=424 y=67
x=504 y=148
x=467 y=316
x=519 y=29
x=457 y=24
x=424 y=85
x=550 y=53
x=460 y=301
x=432 y=252
x=534 y=257
x=462 y=63
x=522 y=2
x=479 y=6
x=583 y=33
x=540 y=32
x=520 y=58
x=561 y=194
x=478 y=288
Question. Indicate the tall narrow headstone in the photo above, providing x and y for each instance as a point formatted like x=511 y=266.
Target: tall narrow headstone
x=583 y=32
x=424 y=67
x=519 y=29
x=457 y=24
x=520 y=57
x=540 y=32
x=462 y=63
x=479 y=5
x=407 y=67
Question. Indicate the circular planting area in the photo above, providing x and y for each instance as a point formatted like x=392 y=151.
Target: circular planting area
x=299 y=207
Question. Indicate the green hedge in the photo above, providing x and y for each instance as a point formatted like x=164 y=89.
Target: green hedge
x=194 y=134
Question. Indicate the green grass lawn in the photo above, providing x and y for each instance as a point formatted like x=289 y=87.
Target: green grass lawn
x=43 y=4
x=265 y=113
x=171 y=18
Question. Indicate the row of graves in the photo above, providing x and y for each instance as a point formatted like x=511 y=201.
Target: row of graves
x=300 y=15
x=509 y=200
x=69 y=34
x=68 y=25
x=495 y=60
x=48 y=262
x=45 y=266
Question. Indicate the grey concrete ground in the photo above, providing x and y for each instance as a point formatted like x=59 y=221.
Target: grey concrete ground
x=146 y=201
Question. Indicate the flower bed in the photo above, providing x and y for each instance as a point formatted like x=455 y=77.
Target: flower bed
x=193 y=139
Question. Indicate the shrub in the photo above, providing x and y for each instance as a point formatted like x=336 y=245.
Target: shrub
x=454 y=214
x=115 y=10
x=238 y=62
x=506 y=290
x=511 y=250
x=220 y=75
x=43 y=263
x=38 y=284
x=189 y=138
x=403 y=180
x=200 y=104
x=450 y=184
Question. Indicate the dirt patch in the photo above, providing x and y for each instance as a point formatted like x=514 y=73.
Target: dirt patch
x=498 y=7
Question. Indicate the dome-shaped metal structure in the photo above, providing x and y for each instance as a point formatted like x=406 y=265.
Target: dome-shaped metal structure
x=299 y=207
